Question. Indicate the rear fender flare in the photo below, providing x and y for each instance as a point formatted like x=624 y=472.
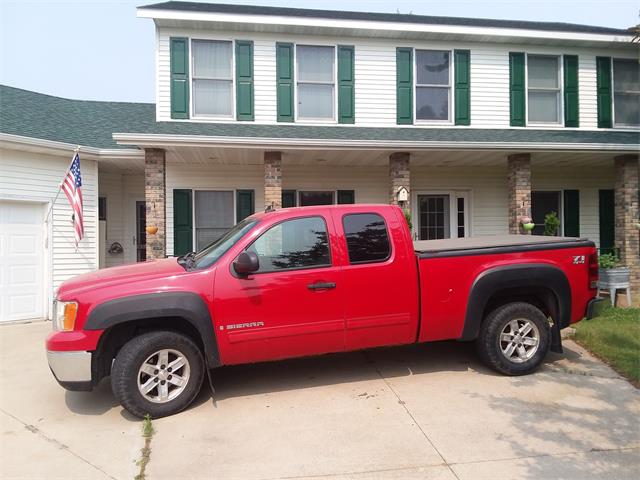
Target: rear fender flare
x=189 y=306
x=505 y=277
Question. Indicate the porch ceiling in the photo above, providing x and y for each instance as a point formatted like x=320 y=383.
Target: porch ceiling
x=362 y=158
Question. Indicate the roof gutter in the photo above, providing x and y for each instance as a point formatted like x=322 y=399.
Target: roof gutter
x=156 y=140
x=373 y=25
x=47 y=146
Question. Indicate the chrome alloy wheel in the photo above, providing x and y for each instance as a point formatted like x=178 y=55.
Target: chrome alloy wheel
x=163 y=376
x=519 y=340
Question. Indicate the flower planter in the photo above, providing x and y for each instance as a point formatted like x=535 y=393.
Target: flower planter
x=613 y=278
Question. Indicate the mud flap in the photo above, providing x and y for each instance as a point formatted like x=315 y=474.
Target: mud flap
x=556 y=339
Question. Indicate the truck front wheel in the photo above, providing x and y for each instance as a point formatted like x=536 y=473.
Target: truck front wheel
x=514 y=338
x=157 y=373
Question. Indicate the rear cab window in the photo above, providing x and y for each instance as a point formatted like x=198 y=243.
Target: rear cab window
x=367 y=238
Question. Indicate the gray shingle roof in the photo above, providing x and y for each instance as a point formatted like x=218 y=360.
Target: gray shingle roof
x=80 y=122
x=91 y=123
x=382 y=17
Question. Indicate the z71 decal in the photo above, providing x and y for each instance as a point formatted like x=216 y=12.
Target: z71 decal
x=578 y=259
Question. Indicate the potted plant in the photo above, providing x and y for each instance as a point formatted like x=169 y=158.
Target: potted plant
x=551 y=224
x=612 y=275
x=407 y=217
x=527 y=224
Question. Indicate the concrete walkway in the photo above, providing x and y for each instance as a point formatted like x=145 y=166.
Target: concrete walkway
x=417 y=412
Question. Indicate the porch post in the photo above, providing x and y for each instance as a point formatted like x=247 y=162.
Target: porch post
x=627 y=216
x=399 y=176
x=273 y=179
x=519 y=174
x=154 y=192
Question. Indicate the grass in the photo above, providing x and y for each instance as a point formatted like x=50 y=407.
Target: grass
x=615 y=338
x=147 y=434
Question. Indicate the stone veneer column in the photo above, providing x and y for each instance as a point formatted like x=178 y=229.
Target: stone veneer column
x=155 y=193
x=399 y=176
x=519 y=174
x=273 y=179
x=627 y=217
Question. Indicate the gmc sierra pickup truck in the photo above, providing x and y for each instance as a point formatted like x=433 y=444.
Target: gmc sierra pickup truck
x=313 y=280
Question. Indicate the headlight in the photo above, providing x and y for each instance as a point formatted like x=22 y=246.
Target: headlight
x=65 y=315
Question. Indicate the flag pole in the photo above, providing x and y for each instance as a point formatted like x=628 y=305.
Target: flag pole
x=75 y=152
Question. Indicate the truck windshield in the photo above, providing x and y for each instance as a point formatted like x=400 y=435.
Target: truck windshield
x=210 y=254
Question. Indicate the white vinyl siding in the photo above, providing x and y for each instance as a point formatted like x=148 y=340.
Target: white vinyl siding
x=375 y=75
x=35 y=178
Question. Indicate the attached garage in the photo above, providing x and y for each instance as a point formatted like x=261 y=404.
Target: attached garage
x=22 y=261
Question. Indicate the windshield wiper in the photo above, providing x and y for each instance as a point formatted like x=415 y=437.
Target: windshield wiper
x=188 y=260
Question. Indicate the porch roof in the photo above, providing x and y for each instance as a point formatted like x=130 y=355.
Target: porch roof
x=243 y=134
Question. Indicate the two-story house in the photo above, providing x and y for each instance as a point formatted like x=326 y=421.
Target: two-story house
x=470 y=124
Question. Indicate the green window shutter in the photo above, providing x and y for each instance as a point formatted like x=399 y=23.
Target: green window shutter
x=517 y=93
x=606 y=215
x=182 y=222
x=288 y=198
x=244 y=80
x=404 y=85
x=603 y=74
x=462 y=87
x=179 y=59
x=284 y=74
x=571 y=214
x=571 y=110
x=245 y=204
x=346 y=84
x=346 y=197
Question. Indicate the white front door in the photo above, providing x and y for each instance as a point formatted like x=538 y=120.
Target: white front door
x=440 y=214
x=22 y=256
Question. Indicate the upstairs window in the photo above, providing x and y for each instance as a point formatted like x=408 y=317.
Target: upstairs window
x=543 y=84
x=315 y=82
x=433 y=85
x=626 y=93
x=212 y=73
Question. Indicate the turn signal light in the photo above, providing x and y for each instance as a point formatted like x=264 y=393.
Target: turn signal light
x=593 y=271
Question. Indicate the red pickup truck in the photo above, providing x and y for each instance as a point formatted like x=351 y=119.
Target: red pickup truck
x=313 y=280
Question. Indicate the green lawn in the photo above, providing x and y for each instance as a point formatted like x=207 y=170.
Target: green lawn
x=615 y=338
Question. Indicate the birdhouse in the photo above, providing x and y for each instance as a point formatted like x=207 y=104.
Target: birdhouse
x=402 y=195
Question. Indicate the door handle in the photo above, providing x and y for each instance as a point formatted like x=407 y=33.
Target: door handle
x=321 y=285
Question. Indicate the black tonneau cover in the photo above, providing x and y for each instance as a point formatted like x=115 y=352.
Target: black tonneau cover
x=494 y=244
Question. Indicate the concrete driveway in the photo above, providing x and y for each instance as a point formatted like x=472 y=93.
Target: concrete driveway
x=418 y=412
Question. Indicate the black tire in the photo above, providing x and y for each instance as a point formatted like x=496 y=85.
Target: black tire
x=130 y=358
x=489 y=346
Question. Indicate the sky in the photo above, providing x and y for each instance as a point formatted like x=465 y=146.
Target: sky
x=100 y=50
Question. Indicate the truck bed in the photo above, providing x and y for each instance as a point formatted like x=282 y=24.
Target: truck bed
x=494 y=244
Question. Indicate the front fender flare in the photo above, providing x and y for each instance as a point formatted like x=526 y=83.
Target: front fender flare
x=186 y=305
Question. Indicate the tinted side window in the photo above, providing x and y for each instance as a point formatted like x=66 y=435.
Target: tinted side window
x=367 y=237
x=298 y=243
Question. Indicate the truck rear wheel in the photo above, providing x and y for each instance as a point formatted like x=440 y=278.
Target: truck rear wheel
x=157 y=373
x=514 y=338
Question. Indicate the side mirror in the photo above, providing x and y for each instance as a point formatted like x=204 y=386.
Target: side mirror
x=246 y=263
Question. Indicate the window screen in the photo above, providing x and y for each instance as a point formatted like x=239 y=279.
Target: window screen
x=367 y=238
x=298 y=243
x=214 y=215
x=544 y=89
x=316 y=82
x=433 y=85
x=626 y=92
x=212 y=78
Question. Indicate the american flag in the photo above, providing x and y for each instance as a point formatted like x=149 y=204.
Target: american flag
x=72 y=187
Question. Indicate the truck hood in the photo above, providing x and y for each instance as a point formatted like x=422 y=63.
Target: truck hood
x=118 y=275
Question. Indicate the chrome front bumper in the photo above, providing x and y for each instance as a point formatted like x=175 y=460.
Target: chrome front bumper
x=71 y=369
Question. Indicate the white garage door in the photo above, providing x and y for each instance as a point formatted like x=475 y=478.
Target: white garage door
x=22 y=258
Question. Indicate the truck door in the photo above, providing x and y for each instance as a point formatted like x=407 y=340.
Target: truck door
x=293 y=305
x=379 y=281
